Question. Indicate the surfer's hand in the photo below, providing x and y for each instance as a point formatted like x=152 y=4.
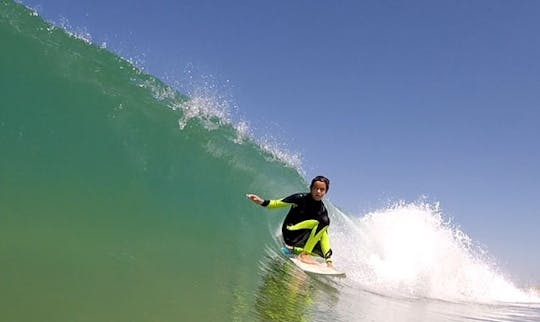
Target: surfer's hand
x=256 y=199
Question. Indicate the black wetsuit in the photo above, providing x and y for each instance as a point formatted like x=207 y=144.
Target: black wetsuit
x=303 y=208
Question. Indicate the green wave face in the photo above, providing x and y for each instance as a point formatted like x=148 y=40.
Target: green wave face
x=108 y=210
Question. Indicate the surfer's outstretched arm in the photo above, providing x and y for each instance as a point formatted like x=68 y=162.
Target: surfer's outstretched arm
x=277 y=203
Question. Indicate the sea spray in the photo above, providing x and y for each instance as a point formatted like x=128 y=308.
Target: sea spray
x=410 y=249
x=211 y=106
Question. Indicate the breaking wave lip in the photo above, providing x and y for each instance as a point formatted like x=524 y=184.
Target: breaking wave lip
x=203 y=100
x=63 y=24
x=213 y=110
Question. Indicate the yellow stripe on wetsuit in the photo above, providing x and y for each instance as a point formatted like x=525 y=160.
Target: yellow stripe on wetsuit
x=278 y=203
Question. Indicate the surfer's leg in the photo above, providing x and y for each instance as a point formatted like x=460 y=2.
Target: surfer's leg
x=314 y=235
x=325 y=244
x=322 y=248
x=315 y=238
x=309 y=227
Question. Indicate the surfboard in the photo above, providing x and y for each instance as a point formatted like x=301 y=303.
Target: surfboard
x=317 y=268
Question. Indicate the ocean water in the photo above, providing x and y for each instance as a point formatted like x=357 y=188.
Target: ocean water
x=124 y=200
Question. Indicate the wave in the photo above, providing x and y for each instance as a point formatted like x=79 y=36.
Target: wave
x=117 y=189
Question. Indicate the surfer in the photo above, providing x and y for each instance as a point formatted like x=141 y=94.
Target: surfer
x=305 y=226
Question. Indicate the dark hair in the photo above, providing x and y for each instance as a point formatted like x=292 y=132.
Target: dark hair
x=321 y=179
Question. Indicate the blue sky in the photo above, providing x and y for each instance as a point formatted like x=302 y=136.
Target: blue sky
x=393 y=100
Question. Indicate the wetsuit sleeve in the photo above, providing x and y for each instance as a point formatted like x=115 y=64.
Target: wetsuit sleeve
x=275 y=203
x=284 y=202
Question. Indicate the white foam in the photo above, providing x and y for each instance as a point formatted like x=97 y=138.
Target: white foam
x=411 y=250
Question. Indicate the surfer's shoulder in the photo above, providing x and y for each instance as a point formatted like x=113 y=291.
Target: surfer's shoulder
x=296 y=197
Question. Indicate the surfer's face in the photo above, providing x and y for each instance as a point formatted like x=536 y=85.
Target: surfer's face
x=318 y=190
